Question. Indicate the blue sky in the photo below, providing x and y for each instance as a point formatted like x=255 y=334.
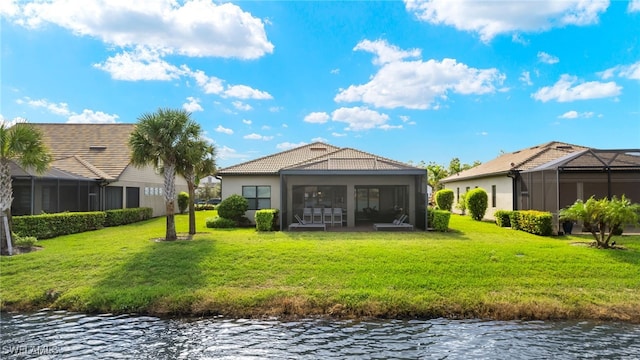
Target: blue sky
x=412 y=81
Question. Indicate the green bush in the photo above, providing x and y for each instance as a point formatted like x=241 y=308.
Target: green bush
x=205 y=207
x=183 y=202
x=25 y=242
x=220 y=223
x=119 y=217
x=439 y=219
x=444 y=199
x=514 y=219
x=536 y=222
x=477 y=202
x=233 y=208
x=265 y=219
x=51 y=225
x=462 y=204
x=503 y=218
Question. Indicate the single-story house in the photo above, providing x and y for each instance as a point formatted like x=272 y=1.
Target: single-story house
x=551 y=176
x=90 y=171
x=368 y=188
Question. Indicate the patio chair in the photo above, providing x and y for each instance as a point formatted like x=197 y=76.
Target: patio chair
x=301 y=224
x=327 y=216
x=337 y=216
x=396 y=224
x=317 y=215
x=307 y=215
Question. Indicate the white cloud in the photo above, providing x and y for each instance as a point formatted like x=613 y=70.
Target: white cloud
x=625 y=71
x=320 y=139
x=517 y=38
x=574 y=114
x=547 y=58
x=525 y=77
x=416 y=84
x=246 y=92
x=192 y=105
x=141 y=64
x=275 y=109
x=241 y=106
x=54 y=108
x=317 y=118
x=565 y=91
x=255 y=136
x=224 y=130
x=287 y=145
x=226 y=153
x=248 y=122
x=492 y=18
x=209 y=84
x=359 y=118
x=390 y=127
x=335 y=71
x=634 y=6
x=93 y=117
x=483 y=133
x=335 y=134
x=195 y=28
x=9 y=123
x=386 y=53
x=9 y=8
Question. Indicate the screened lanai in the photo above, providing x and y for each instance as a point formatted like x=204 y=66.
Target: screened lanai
x=580 y=175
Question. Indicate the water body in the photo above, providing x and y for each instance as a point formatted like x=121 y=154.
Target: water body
x=64 y=335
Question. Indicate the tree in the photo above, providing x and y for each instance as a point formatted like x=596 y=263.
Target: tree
x=159 y=139
x=435 y=173
x=197 y=160
x=602 y=217
x=24 y=145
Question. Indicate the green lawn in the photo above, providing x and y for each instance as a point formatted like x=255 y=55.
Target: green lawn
x=476 y=270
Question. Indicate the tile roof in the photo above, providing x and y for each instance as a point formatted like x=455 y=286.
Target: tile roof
x=96 y=151
x=316 y=156
x=520 y=160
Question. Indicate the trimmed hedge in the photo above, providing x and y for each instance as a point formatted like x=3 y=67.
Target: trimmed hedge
x=266 y=219
x=220 y=223
x=535 y=222
x=127 y=216
x=444 y=199
x=47 y=226
x=183 y=202
x=514 y=220
x=477 y=203
x=233 y=207
x=439 y=219
x=503 y=218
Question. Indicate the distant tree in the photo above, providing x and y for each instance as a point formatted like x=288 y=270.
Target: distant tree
x=455 y=166
x=158 y=140
x=24 y=145
x=602 y=217
x=435 y=173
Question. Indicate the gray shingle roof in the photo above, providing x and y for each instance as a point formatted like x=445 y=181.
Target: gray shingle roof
x=316 y=156
x=520 y=160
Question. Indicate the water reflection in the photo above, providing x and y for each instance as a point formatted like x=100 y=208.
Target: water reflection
x=63 y=335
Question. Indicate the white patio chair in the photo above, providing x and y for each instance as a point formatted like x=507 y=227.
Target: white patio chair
x=307 y=215
x=327 y=216
x=317 y=215
x=337 y=216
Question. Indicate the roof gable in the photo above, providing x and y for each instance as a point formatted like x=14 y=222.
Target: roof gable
x=97 y=151
x=351 y=159
x=519 y=160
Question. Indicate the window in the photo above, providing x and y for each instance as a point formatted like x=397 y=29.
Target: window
x=457 y=194
x=259 y=197
x=493 y=196
x=133 y=197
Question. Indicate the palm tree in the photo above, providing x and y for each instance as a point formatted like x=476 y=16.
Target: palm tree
x=196 y=162
x=158 y=140
x=22 y=144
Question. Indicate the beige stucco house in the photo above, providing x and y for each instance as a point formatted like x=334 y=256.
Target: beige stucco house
x=90 y=171
x=551 y=176
x=368 y=188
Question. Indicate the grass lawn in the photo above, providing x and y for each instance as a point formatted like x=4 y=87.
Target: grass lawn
x=476 y=270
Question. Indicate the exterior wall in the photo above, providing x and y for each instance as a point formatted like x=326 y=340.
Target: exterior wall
x=151 y=187
x=233 y=185
x=504 y=192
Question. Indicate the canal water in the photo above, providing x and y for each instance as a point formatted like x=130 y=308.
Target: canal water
x=64 y=335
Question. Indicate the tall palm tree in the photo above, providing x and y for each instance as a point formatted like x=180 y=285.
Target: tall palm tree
x=24 y=145
x=196 y=162
x=158 y=140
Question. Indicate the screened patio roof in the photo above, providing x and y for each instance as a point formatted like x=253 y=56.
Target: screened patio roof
x=594 y=160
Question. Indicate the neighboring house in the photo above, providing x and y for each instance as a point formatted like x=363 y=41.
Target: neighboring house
x=367 y=187
x=551 y=176
x=90 y=171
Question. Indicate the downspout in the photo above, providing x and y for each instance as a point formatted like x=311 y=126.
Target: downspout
x=514 y=175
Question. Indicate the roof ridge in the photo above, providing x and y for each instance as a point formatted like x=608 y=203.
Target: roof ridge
x=92 y=168
x=381 y=157
x=546 y=147
x=281 y=153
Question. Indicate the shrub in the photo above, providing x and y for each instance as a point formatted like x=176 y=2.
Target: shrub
x=265 y=219
x=514 y=219
x=233 y=208
x=205 y=207
x=536 y=222
x=503 y=218
x=24 y=241
x=119 y=217
x=183 y=202
x=51 y=225
x=462 y=204
x=444 y=199
x=220 y=223
x=477 y=202
x=439 y=219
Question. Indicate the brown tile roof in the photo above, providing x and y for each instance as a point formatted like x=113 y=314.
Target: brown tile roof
x=316 y=156
x=520 y=160
x=96 y=151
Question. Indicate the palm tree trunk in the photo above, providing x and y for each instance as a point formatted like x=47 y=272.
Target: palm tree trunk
x=6 y=198
x=169 y=198
x=192 y=209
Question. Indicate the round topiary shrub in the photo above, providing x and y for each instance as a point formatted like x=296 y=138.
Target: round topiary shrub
x=183 y=201
x=477 y=202
x=444 y=199
x=233 y=208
